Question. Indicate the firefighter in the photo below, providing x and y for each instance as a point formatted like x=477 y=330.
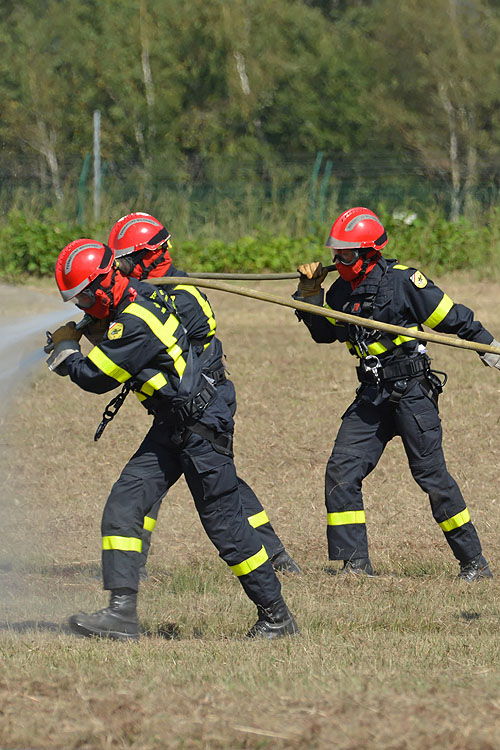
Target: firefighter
x=398 y=390
x=142 y=247
x=147 y=348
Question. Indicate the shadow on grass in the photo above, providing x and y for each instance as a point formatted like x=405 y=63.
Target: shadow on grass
x=420 y=570
x=41 y=626
x=168 y=630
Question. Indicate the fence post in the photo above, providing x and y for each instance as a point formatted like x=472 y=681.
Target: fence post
x=81 y=187
x=322 y=190
x=97 y=164
x=312 y=190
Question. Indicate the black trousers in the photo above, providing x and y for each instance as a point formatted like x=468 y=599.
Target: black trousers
x=252 y=506
x=365 y=431
x=211 y=478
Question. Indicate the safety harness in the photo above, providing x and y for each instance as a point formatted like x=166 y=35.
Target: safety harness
x=401 y=374
x=188 y=413
x=191 y=411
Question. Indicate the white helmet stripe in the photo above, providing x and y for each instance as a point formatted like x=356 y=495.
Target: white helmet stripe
x=355 y=221
x=71 y=257
x=142 y=220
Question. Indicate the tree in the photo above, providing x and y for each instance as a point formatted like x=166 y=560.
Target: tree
x=437 y=85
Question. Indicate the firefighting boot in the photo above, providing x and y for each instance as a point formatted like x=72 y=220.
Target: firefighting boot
x=474 y=569
x=118 y=621
x=358 y=566
x=284 y=563
x=275 y=621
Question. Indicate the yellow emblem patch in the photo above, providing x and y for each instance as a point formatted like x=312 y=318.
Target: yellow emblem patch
x=418 y=279
x=115 y=331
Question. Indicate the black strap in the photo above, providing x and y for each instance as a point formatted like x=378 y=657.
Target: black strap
x=399 y=388
x=362 y=337
x=218 y=376
x=404 y=368
x=193 y=407
x=139 y=256
x=222 y=442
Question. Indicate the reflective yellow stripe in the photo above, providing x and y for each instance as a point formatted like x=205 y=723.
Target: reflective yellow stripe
x=164 y=331
x=149 y=523
x=348 y=516
x=107 y=366
x=203 y=303
x=456 y=521
x=330 y=320
x=440 y=312
x=258 y=519
x=400 y=267
x=378 y=348
x=123 y=543
x=401 y=339
x=154 y=384
x=141 y=396
x=179 y=361
x=252 y=563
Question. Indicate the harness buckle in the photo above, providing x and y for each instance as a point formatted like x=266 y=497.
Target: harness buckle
x=194 y=407
x=371 y=364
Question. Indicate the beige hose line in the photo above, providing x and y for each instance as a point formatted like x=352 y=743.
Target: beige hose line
x=220 y=286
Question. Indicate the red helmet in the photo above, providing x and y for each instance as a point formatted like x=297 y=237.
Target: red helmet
x=79 y=263
x=357 y=228
x=137 y=231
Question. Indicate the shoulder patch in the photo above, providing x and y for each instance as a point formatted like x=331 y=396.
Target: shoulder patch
x=115 y=331
x=418 y=279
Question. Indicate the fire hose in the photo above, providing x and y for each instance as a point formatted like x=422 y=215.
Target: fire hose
x=211 y=281
x=437 y=338
x=207 y=281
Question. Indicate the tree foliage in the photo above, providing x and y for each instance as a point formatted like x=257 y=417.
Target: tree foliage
x=199 y=90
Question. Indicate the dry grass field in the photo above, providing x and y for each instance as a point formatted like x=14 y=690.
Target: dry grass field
x=409 y=660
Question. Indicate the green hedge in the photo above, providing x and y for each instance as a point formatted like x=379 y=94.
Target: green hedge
x=30 y=248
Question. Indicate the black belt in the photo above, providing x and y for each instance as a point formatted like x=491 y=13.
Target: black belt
x=370 y=372
x=222 y=441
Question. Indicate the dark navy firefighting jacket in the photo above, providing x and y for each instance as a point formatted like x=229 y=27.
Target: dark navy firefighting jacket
x=399 y=295
x=196 y=315
x=147 y=346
